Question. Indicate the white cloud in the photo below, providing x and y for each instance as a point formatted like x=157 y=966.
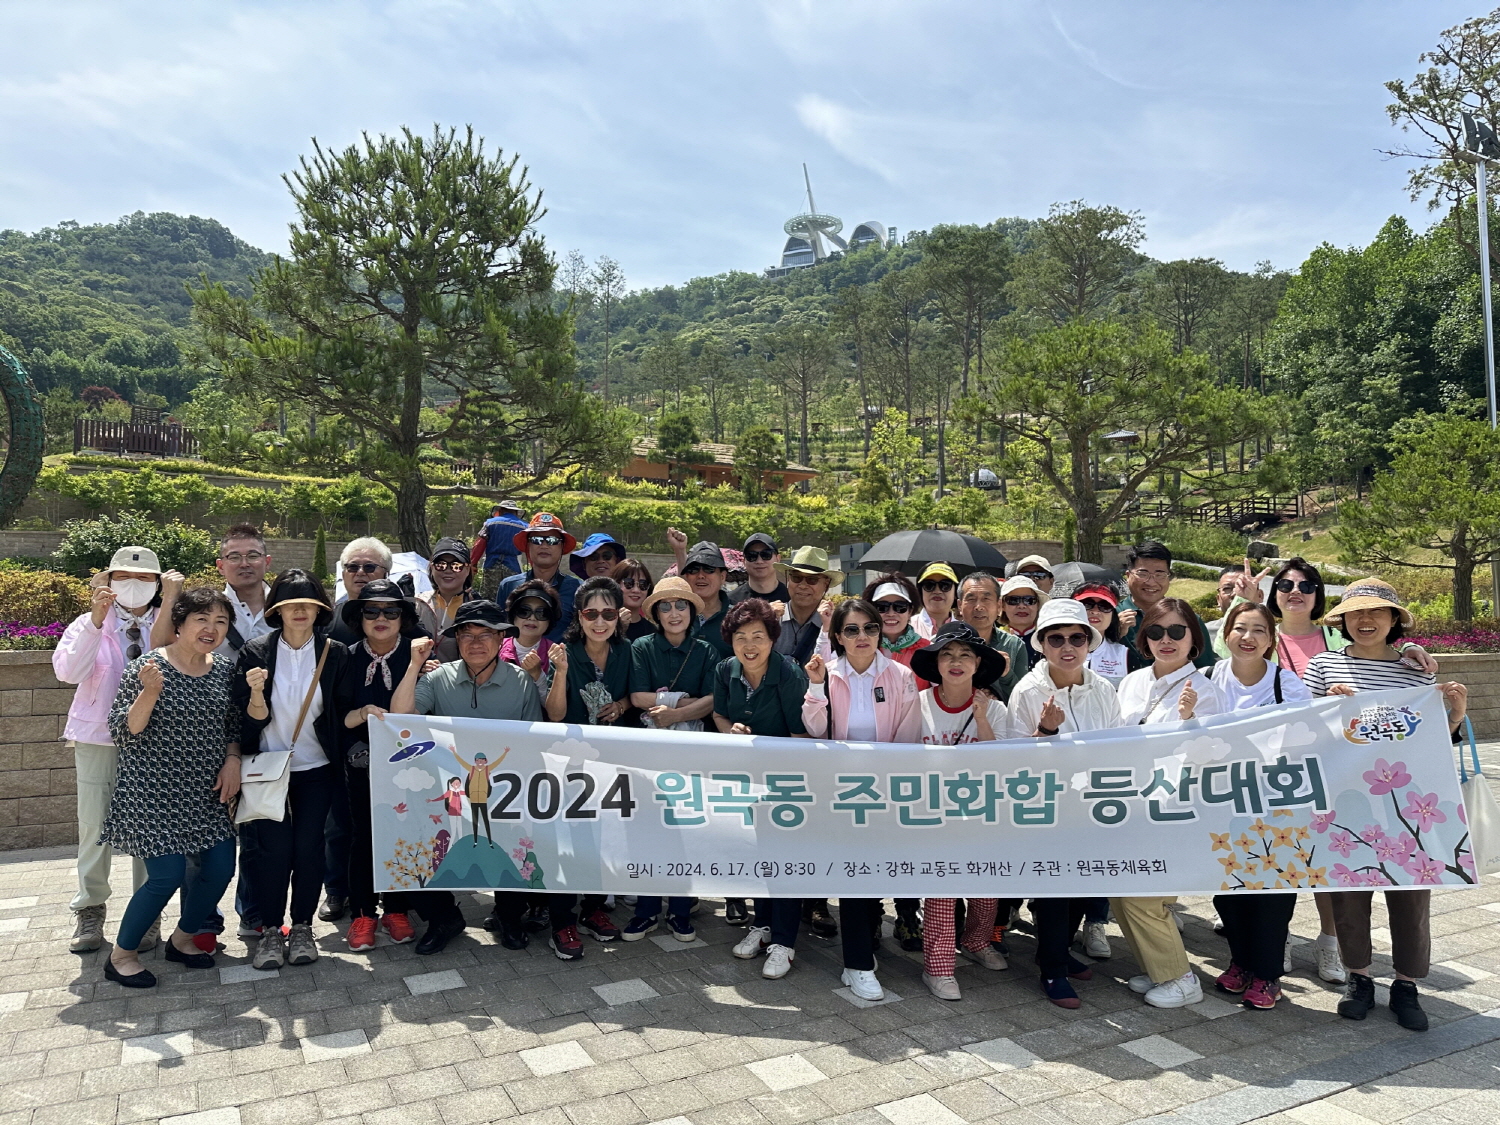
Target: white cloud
x=1278 y=740
x=413 y=779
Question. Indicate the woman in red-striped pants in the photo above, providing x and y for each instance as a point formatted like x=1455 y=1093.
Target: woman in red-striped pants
x=938 y=953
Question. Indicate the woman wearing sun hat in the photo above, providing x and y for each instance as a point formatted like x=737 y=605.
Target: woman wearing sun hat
x=939 y=589
x=1112 y=659
x=1371 y=617
x=597 y=556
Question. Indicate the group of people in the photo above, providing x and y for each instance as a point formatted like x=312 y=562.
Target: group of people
x=184 y=693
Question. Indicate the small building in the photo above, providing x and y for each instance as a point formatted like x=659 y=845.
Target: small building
x=715 y=468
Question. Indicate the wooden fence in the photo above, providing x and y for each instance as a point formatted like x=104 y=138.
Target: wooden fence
x=159 y=439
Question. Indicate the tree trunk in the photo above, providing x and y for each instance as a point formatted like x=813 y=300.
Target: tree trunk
x=411 y=512
x=1463 y=576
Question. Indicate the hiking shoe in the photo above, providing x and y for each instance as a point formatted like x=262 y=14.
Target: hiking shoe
x=270 y=952
x=638 y=928
x=87 y=930
x=989 y=957
x=1095 y=942
x=944 y=988
x=1234 y=979
x=815 y=914
x=1262 y=994
x=908 y=932
x=1406 y=1006
x=735 y=913
x=301 y=948
x=536 y=919
x=361 y=935
x=864 y=984
x=778 y=962
x=1359 y=997
x=1177 y=993
x=682 y=928
x=600 y=926
x=153 y=935
x=1061 y=993
x=567 y=944
x=754 y=943
x=397 y=927
x=1330 y=964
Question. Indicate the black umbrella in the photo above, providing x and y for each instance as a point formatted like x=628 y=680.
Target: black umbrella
x=1070 y=576
x=911 y=551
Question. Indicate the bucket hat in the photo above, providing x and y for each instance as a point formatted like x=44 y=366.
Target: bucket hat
x=670 y=589
x=992 y=663
x=811 y=560
x=1064 y=611
x=589 y=546
x=481 y=611
x=544 y=523
x=1370 y=593
x=379 y=590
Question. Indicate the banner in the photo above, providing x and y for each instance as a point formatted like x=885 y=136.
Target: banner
x=1346 y=791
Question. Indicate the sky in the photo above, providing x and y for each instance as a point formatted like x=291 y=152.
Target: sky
x=670 y=136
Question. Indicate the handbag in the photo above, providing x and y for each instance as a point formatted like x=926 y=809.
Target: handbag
x=1481 y=809
x=266 y=778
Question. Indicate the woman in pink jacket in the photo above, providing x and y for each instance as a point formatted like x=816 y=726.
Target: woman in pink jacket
x=860 y=695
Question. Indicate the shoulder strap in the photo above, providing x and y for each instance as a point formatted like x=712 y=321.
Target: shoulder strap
x=307 y=699
x=1276 y=684
x=236 y=638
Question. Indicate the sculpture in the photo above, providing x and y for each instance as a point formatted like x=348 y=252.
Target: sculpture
x=28 y=436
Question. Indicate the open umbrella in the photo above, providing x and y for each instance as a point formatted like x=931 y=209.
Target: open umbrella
x=911 y=551
x=1070 y=576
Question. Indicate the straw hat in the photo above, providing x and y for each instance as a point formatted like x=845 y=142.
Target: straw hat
x=1370 y=593
x=670 y=589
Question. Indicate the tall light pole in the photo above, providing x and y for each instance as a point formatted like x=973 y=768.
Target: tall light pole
x=1484 y=146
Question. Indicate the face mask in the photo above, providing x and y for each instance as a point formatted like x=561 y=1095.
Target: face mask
x=133 y=592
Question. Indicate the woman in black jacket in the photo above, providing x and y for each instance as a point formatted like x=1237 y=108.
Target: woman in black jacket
x=284 y=688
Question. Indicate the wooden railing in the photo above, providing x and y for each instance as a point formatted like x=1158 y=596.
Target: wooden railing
x=1237 y=514
x=160 y=439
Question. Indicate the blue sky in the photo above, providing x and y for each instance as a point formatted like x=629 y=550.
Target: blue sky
x=670 y=135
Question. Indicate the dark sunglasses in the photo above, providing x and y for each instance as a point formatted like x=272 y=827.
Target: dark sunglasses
x=798 y=577
x=533 y=612
x=605 y=555
x=869 y=629
x=1072 y=640
x=1157 y=632
x=635 y=584
x=374 y=612
x=698 y=568
x=759 y=556
x=546 y=540
x=937 y=586
x=595 y=614
x=893 y=607
x=1098 y=606
x=450 y=564
x=1286 y=586
x=1021 y=599
x=1036 y=575
x=133 y=631
x=674 y=605
x=363 y=568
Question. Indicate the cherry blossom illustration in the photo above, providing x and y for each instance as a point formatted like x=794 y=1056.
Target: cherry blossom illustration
x=1405 y=852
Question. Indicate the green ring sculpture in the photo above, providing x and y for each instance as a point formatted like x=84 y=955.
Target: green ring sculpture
x=27 y=436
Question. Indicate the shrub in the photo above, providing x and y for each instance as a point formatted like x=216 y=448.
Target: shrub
x=41 y=597
x=29 y=562
x=1208 y=543
x=87 y=545
x=1455 y=636
x=15 y=637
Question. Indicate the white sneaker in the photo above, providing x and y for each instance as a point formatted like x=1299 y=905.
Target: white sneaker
x=1095 y=943
x=1177 y=993
x=944 y=988
x=778 y=962
x=1140 y=984
x=989 y=957
x=1330 y=964
x=754 y=943
x=1218 y=923
x=1286 y=955
x=863 y=983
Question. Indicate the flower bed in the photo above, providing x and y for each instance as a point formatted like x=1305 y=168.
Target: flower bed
x=15 y=636
x=1455 y=637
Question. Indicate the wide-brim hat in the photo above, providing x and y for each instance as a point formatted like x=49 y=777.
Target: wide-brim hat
x=811 y=560
x=547 y=523
x=993 y=664
x=1064 y=611
x=589 y=546
x=508 y=506
x=378 y=590
x=1370 y=593
x=142 y=559
x=297 y=587
x=670 y=589
x=481 y=611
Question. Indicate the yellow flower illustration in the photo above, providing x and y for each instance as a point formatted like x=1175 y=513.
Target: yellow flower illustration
x=1221 y=841
x=1256 y=886
x=1281 y=837
x=1244 y=841
x=1282 y=812
x=1302 y=832
x=1317 y=876
x=1304 y=855
x=1260 y=826
x=1230 y=864
x=1250 y=867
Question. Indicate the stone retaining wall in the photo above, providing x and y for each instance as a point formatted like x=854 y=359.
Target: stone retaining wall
x=1481 y=672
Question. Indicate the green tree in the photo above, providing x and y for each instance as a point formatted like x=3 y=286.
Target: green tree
x=1441 y=493
x=416 y=274
x=675 y=437
x=799 y=360
x=1185 y=294
x=757 y=454
x=1080 y=262
x=893 y=444
x=874 y=485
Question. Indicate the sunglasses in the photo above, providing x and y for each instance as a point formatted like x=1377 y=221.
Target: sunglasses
x=698 y=568
x=893 y=607
x=1157 y=632
x=532 y=612
x=375 y=612
x=937 y=586
x=636 y=584
x=798 y=578
x=363 y=568
x=1286 y=586
x=595 y=614
x=869 y=629
x=1035 y=575
x=134 y=633
x=545 y=540
x=1072 y=640
x=1021 y=599
x=759 y=556
x=607 y=556
x=1098 y=606
x=675 y=605
x=448 y=565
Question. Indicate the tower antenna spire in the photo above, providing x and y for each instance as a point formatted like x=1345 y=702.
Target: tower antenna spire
x=812 y=207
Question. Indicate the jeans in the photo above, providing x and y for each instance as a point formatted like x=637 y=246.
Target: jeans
x=783 y=915
x=1255 y=927
x=164 y=875
x=337 y=836
x=362 y=897
x=244 y=893
x=1057 y=921
x=291 y=849
x=96 y=764
x=1096 y=910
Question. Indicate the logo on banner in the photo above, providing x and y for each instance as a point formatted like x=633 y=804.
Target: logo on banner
x=405 y=750
x=1383 y=724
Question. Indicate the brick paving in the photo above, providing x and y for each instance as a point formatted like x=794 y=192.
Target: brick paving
x=646 y=1033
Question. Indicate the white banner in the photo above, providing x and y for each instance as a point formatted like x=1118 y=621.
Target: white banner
x=1348 y=791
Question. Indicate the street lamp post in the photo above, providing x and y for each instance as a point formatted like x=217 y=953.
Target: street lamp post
x=1484 y=146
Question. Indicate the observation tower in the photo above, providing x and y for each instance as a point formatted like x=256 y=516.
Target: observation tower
x=813 y=236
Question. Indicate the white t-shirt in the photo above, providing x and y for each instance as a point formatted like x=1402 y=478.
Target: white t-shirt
x=942 y=727
x=1110 y=660
x=294 y=671
x=1262 y=693
x=1146 y=699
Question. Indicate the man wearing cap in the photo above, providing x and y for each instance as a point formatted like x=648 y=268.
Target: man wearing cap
x=478 y=685
x=762 y=581
x=1038 y=569
x=807 y=610
x=545 y=541
x=452 y=585
x=979 y=608
x=704 y=568
x=1020 y=602
x=495 y=547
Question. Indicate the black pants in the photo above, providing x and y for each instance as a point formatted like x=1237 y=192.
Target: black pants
x=362 y=897
x=906 y=906
x=478 y=809
x=563 y=910
x=783 y=915
x=1057 y=921
x=338 y=835
x=290 y=850
x=858 y=919
x=1255 y=927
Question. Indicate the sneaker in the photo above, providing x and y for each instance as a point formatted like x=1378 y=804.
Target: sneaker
x=1406 y=1006
x=397 y=927
x=1140 y=984
x=682 y=929
x=754 y=943
x=1234 y=979
x=599 y=926
x=270 y=952
x=638 y=928
x=1330 y=964
x=248 y=931
x=1218 y=923
x=944 y=988
x=1286 y=955
x=87 y=930
x=1177 y=993
x=735 y=913
x=301 y=948
x=1359 y=997
x=908 y=932
x=989 y=957
x=153 y=935
x=628 y=900
x=514 y=937
x=778 y=962
x=537 y=919
x=494 y=922
x=1078 y=970
x=815 y=914
x=361 y=935
x=1262 y=994
x=863 y=983
x=1095 y=943
x=1061 y=993
x=567 y=944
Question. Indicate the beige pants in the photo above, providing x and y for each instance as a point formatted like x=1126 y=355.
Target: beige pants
x=1148 y=926
x=96 y=785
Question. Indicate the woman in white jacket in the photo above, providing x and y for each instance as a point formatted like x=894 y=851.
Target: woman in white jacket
x=1062 y=695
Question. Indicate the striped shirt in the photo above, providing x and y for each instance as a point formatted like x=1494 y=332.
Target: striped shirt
x=1361 y=673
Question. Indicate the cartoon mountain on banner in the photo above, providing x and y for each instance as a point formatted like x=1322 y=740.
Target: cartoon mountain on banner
x=476 y=862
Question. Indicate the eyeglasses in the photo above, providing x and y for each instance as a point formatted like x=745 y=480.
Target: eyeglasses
x=869 y=629
x=594 y=614
x=698 y=568
x=450 y=566
x=893 y=607
x=1072 y=640
x=1021 y=599
x=1286 y=586
x=533 y=612
x=797 y=577
x=674 y=605
x=759 y=556
x=373 y=612
x=545 y=540
x=1152 y=575
x=937 y=586
x=1098 y=606
x=363 y=568
x=133 y=631
x=1157 y=632
x=635 y=584
x=251 y=557
x=478 y=635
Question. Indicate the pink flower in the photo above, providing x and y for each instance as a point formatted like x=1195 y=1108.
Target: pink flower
x=1466 y=861
x=1343 y=843
x=1375 y=879
x=1397 y=850
x=528 y=843
x=1343 y=877
x=1322 y=820
x=1423 y=868
x=1372 y=832
x=527 y=870
x=1386 y=776
x=518 y=854
x=1424 y=810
